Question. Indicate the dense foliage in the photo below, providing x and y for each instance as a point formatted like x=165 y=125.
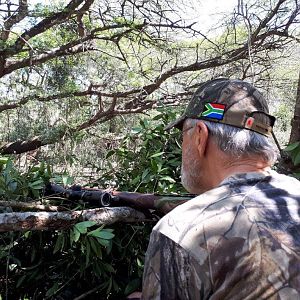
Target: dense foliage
x=107 y=262
x=148 y=159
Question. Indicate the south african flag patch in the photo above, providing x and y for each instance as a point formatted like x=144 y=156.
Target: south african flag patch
x=214 y=111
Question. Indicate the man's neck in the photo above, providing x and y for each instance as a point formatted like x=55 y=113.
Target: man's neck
x=222 y=166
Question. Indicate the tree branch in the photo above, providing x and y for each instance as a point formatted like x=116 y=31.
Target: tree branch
x=267 y=19
x=58 y=52
x=45 y=24
x=63 y=220
x=25 y=206
x=14 y=19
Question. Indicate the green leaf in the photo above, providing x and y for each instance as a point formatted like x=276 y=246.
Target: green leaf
x=82 y=226
x=33 y=254
x=76 y=234
x=98 y=270
x=12 y=186
x=297 y=159
x=20 y=280
x=109 y=286
x=109 y=247
x=132 y=286
x=110 y=153
x=136 y=130
x=58 y=244
x=27 y=234
x=109 y=229
x=103 y=234
x=96 y=247
x=52 y=290
x=291 y=147
x=3 y=160
x=168 y=178
x=297 y=175
x=37 y=185
x=109 y=268
x=145 y=173
x=96 y=230
x=139 y=262
x=9 y=166
x=157 y=117
x=67 y=180
x=157 y=154
x=102 y=242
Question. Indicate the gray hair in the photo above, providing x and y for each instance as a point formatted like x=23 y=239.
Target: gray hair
x=238 y=142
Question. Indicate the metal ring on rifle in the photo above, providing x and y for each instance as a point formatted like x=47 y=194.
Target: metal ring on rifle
x=105 y=199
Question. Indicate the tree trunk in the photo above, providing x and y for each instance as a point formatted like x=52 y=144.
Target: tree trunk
x=295 y=132
x=23 y=221
x=286 y=165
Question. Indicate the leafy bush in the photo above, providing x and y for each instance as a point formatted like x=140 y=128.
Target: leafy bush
x=294 y=153
x=148 y=159
x=87 y=260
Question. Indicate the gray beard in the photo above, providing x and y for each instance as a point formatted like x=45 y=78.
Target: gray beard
x=191 y=173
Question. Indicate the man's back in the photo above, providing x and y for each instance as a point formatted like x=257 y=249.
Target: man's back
x=240 y=240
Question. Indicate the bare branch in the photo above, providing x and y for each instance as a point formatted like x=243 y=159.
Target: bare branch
x=58 y=52
x=267 y=19
x=46 y=24
x=21 y=13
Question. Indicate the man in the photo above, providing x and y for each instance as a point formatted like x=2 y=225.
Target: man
x=240 y=238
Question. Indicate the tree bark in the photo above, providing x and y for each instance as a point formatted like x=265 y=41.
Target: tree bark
x=31 y=206
x=21 y=146
x=295 y=132
x=62 y=220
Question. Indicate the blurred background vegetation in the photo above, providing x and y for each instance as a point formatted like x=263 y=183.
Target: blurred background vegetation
x=87 y=87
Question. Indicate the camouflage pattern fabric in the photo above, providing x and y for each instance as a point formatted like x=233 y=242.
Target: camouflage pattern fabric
x=240 y=240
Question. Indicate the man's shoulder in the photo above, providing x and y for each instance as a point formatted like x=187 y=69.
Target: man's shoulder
x=221 y=211
x=206 y=205
x=184 y=223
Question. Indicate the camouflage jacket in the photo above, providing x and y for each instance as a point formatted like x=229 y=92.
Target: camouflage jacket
x=240 y=240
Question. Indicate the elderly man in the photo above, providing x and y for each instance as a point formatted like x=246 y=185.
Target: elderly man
x=240 y=238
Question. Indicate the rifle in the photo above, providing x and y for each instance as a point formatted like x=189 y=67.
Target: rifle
x=103 y=198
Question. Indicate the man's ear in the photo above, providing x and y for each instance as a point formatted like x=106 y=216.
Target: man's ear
x=201 y=138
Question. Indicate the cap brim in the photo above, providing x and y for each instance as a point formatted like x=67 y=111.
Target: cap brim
x=178 y=123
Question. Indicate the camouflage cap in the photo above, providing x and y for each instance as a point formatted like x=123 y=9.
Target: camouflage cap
x=232 y=102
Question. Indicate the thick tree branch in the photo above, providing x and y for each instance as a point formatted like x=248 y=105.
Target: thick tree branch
x=39 y=28
x=14 y=19
x=58 y=52
x=267 y=19
x=73 y=47
x=22 y=146
x=137 y=105
x=100 y=114
x=63 y=220
x=45 y=24
x=295 y=132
